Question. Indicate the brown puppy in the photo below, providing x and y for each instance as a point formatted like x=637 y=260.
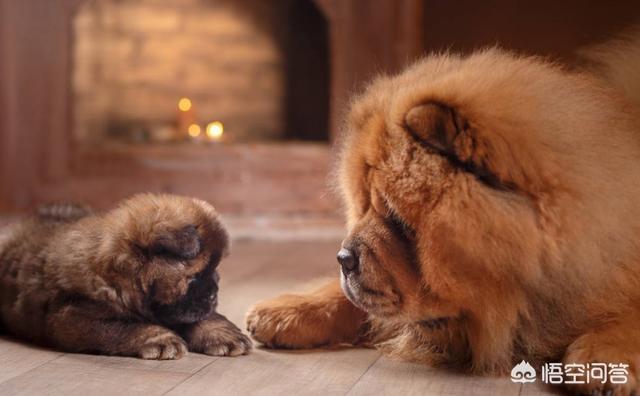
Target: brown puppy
x=493 y=207
x=140 y=280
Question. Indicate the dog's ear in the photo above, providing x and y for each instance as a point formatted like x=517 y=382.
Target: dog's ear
x=184 y=243
x=433 y=123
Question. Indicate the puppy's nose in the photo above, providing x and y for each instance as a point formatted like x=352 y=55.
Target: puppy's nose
x=348 y=260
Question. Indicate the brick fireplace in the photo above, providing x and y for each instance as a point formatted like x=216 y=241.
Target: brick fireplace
x=248 y=65
x=89 y=102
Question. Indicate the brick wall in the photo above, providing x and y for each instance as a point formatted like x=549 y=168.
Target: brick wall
x=133 y=60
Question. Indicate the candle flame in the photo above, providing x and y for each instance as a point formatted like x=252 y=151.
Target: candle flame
x=194 y=130
x=184 y=104
x=215 y=130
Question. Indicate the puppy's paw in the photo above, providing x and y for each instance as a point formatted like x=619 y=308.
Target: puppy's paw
x=288 y=321
x=218 y=337
x=593 y=348
x=164 y=345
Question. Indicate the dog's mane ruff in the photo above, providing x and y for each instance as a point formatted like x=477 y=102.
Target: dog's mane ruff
x=409 y=342
x=617 y=61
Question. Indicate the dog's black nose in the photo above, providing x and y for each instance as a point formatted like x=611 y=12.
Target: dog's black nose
x=348 y=260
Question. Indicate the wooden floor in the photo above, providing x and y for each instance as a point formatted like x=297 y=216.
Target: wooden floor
x=254 y=271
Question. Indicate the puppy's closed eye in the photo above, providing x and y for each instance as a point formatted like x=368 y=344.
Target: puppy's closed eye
x=184 y=243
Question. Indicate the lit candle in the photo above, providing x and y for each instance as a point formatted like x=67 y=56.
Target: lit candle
x=186 y=118
x=194 y=132
x=214 y=132
x=184 y=104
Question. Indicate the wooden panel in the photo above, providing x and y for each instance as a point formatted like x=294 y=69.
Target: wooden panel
x=390 y=377
x=282 y=373
x=35 y=86
x=17 y=358
x=241 y=179
x=546 y=27
x=190 y=364
x=368 y=37
x=78 y=377
x=538 y=389
x=9 y=176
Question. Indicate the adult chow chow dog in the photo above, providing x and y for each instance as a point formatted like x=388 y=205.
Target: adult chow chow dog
x=139 y=280
x=493 y=206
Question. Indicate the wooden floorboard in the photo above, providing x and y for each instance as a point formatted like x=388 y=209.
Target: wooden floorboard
x=282 y=373
x=77 y=377
x=538 y=389
x=390 y=377
x=255 y=270
x=17 y=358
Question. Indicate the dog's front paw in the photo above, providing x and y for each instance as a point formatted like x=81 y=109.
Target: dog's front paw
x=269 y=324
x=162 y=345
x=288 y=321
x=619 y=359
x=217 y=337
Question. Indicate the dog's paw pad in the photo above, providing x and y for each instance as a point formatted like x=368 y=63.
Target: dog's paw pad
x=279 y=326
x=590 y=349
x=165 y=346
x=228 y=346
x=219 y=338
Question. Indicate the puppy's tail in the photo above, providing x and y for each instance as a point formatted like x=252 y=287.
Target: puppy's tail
x=617 y=61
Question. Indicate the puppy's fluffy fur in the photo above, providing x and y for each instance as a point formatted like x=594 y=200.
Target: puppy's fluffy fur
x=493 y=210
x=139 y=280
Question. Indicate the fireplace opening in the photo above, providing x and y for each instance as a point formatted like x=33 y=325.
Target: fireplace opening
x=236 y=71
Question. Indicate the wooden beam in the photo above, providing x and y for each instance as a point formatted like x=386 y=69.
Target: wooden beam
x=369 y=37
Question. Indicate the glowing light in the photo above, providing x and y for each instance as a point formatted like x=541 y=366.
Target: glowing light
x=184 y=104
x=194 y=130
x=215 y=130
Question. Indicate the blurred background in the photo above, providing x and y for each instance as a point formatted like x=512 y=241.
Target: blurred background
x=238 y=102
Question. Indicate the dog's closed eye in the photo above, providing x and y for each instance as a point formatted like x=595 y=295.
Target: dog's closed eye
x=438 y=127
x=400 y=227
x=184 y=243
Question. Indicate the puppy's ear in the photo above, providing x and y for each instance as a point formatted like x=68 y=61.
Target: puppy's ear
x=184 y=243
x=433 y=123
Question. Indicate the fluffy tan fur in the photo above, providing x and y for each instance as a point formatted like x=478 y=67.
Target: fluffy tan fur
x=617 y=61
x=492 y=202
